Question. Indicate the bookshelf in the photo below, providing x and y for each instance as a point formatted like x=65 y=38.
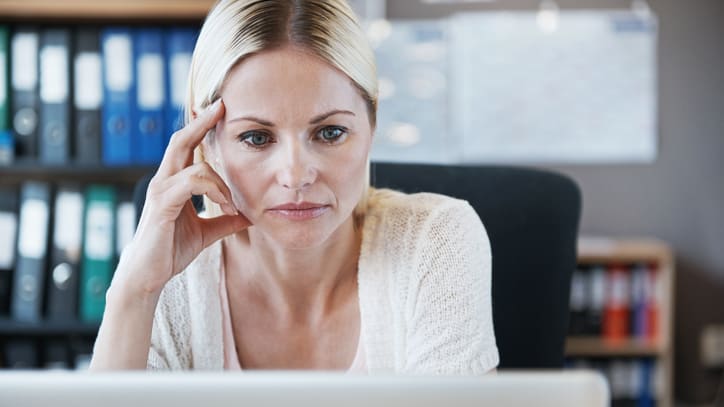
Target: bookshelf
x=91 y=10
x=52 y=341
x=11 y=328
x=605 y=252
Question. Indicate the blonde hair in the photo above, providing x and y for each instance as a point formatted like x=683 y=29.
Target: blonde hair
x=235 y=29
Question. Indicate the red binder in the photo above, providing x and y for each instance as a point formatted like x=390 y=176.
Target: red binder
x=616 y=308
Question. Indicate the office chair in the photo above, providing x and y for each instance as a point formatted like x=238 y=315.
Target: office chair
x=531 y=217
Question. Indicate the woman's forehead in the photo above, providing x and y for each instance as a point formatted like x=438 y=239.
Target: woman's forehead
x=287 y=79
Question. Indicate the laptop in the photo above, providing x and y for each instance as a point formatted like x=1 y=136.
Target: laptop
x=276 y=389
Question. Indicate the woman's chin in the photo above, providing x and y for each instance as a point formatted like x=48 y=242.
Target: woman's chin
x=294 y=236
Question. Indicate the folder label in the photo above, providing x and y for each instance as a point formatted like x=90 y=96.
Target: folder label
x=67 y=233
x=150 y=81
x=99 y=233
x=180 y=66
x=118 y=71
x=88 y=81
x=25 y=121
x=8 y=225
x=54 y=79
x=61 y=275
x=24 y=70
x=34 y=232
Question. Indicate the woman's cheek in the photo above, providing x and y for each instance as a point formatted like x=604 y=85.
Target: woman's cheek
x=230 y=177
x=240 y=195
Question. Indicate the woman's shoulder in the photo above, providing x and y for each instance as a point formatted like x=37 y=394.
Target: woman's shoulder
x=399 y=227
x=407 y=227
x=391 y=200
x=387 y=205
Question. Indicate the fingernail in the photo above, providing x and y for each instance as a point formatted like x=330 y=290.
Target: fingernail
x=228 y=209
x=215 y=106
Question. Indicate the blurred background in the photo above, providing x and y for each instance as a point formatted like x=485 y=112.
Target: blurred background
x=624 y=96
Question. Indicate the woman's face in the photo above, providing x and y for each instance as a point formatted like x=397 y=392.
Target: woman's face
x=293 y=146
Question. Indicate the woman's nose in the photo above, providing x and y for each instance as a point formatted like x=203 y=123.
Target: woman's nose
x=297 y=169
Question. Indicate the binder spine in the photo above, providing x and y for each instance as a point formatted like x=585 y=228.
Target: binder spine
x=179 y=48
x=118 y=84
x=4 y=97
x=87 y=96
x=98 y=251
x=55 y=96
x=25 y=116
x=65 y=255
x=28 y=284
x=9 y=227
x=150 y=96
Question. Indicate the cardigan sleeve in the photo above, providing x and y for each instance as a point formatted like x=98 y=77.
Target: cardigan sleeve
x=449 y=308
x=170 y=334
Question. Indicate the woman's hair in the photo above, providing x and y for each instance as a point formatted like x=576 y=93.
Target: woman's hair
x=235 y=29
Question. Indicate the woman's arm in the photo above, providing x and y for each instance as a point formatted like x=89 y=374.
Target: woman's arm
x=450 y=309
x=169 y=237
x=124 y=337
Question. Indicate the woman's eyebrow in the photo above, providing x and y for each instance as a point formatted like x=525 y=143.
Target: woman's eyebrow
x=315 y=119
x=252 y=119
x=323 y=116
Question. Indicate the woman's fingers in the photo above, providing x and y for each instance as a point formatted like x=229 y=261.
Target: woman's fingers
x=179 y=153
x=214 y=229
x=198 y=179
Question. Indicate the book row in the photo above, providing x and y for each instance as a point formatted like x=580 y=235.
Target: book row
x=91 y=95
x=616 y=301
x=59 y=247
x=66 y=354
x=633 y=382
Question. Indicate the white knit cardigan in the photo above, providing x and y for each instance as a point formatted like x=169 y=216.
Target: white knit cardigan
x=424 y=281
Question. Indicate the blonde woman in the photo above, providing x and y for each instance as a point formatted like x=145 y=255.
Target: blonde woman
x=296 y=263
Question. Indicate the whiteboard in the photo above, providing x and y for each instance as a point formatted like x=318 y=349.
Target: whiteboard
x=584 y=92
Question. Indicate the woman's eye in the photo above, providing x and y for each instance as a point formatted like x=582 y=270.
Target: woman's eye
x=332 y=134
x=255 y=139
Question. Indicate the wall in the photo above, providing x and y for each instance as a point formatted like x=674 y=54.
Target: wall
x=679 y=198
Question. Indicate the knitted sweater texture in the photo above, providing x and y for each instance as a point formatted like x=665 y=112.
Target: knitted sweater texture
x=424 y=281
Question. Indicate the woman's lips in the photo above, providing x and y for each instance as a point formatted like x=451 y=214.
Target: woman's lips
x=299 y=211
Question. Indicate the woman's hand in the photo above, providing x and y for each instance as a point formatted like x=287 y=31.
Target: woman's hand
x=170 y=234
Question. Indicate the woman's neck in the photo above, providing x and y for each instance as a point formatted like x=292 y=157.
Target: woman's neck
x=299 y=285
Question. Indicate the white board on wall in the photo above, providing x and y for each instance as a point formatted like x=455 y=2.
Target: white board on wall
x=580 y=89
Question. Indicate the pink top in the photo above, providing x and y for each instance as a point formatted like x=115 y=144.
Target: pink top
x=231 y=358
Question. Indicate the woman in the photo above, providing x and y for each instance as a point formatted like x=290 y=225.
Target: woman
x=297 y=263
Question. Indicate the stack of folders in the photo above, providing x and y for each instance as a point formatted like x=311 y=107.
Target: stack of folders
x=58 y=250
x=634 y=382
x=91 y=95
x=616 y=301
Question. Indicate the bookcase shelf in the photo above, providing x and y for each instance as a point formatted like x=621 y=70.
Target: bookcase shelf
x=11 y=328
x=143 y=10
x=625 y=252
x=630 y=250
x=19 y=172
x=595 y=347
x=83 y=21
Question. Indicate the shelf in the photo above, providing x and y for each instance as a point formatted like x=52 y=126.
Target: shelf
x=19 y=172
x=604 y=250
x=596 y=346
x=10 y=327
x=107 y=9
x=610 y=252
